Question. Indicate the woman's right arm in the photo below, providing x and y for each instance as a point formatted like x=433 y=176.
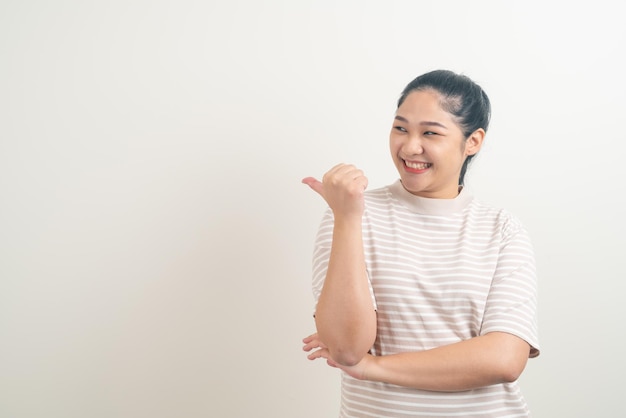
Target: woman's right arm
x=345 y=317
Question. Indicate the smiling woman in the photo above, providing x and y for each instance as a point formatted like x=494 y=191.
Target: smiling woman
x=467 y=109
x=426 y=297
x=428 y=146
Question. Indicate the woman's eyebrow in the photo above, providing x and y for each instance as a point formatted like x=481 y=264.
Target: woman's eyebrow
x=425 y=123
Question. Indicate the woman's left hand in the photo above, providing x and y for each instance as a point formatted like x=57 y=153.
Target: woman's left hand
x=312 y=342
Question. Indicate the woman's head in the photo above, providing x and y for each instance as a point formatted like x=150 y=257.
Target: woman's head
x=461 y=97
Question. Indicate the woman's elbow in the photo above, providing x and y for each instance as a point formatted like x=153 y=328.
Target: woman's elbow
x=512 y=366
x=511 y=372
x=350 y=353
x=347 y=357
x=512 y=354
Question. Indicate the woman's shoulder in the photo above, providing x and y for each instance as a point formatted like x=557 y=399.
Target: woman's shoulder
x=504 y=219
x=378 y=194
x=379 y=190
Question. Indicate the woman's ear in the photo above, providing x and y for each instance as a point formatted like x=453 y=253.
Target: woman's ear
x=474 y=141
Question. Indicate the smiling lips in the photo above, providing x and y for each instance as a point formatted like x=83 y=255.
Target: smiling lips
x=416 y=166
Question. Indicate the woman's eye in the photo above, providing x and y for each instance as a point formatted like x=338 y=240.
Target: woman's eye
x=400 y=128
x=430 y=133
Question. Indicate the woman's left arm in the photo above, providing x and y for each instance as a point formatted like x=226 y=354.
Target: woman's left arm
x=493 y=358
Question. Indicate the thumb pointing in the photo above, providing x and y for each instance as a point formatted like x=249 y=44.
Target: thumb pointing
x=314 y=184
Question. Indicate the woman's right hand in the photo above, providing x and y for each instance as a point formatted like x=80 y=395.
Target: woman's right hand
x=342 y=187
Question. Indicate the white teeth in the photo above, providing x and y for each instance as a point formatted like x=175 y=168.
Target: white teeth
x=417 y=166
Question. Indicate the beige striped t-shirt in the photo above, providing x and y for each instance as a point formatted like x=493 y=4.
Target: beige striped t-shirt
x=440 y=271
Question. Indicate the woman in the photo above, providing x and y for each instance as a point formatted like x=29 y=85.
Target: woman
x=425 y=297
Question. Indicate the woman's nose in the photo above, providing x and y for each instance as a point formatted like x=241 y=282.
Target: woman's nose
x=413 y=145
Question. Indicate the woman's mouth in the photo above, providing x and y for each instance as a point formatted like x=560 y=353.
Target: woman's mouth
x=417 y=165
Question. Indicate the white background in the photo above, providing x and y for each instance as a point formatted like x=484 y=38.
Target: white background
x=155 y=239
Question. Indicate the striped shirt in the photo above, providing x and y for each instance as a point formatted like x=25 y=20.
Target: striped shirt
x=440 y=271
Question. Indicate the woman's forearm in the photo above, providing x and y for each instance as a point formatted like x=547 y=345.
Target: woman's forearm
x=481 y=361
x=345 y=316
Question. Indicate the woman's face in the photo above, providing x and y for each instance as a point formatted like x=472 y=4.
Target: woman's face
x=428 y=147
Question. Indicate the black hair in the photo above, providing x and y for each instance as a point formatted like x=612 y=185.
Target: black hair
x=461 y=97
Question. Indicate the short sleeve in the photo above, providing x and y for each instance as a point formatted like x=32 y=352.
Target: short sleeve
x=511 y=305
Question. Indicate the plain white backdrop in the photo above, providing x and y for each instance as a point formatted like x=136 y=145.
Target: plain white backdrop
x=155 y=240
